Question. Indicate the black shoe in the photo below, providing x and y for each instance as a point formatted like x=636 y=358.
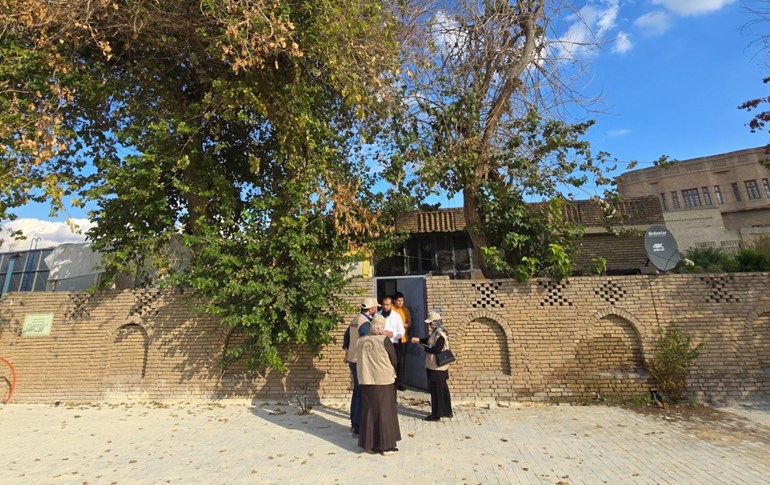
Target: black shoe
x=402 y=387
x=450 y=416
x=432 y=418
x=389 y=451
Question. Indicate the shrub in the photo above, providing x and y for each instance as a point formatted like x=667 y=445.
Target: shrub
x=708 y=260
x=673 y=356
x=750 y=259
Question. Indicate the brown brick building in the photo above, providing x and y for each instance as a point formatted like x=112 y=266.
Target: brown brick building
x=717 y=201
x=439 y=243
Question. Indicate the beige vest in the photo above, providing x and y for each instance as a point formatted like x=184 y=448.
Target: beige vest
x=374 y=367
x=430 y=359
x=353 y=347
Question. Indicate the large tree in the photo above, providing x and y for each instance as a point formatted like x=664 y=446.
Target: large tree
x=233 y=126
x=487 y=84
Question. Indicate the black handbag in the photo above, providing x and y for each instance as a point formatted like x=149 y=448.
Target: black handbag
x=445 y=357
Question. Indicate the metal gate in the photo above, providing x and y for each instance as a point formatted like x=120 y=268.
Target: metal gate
x=415 y=298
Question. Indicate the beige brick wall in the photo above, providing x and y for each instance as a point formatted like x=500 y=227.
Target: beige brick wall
x=540 y=340
x=586 y=336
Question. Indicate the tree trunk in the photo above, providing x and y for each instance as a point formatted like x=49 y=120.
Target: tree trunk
x=474 y=223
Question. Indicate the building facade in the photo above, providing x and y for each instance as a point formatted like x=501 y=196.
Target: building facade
x=720 y=201
x=439 y=244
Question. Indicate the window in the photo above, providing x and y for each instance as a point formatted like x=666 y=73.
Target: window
x=706 y=196
x=718 y=194
x=752 y=189
x=767 y=187
x=675 y=199
x=691 y=198
x=736 y=191
x=663 y=201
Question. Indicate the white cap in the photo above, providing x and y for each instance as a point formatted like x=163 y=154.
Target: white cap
x=369 y=302
x=432 y=317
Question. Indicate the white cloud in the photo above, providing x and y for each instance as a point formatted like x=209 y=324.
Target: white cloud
x=618 y=132
x=693 y=7
x=590 y=25
x=653 y=23
x=51 y=233
x=622 y=43
x=447 y=33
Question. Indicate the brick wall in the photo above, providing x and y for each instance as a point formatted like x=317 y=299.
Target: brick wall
x=540 y=340
x=149 y=345
x=586 y=336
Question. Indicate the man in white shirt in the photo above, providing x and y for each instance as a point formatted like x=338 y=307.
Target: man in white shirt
x=393 y=320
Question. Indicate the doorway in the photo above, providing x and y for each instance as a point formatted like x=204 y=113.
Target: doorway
x=415 y=298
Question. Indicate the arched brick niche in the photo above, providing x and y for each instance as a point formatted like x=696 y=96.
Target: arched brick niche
x=761 y=340
x=482 y=348
x=611 y=357
x=127 y=361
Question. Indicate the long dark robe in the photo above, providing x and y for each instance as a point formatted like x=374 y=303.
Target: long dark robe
x=379 y=429
x=440 y=399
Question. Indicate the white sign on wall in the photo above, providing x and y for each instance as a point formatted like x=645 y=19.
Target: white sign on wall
x=37 y=325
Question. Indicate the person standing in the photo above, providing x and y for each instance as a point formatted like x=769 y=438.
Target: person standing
x=349 y=344
x=401 y=346
x=394 y=326
x=438 y=340
x=380 y=431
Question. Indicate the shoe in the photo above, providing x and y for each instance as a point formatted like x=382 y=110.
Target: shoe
x=402 y=387
x=432 y=418
x=390 y=451
x=450 y=416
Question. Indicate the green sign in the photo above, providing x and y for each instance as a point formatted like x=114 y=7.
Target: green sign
x=37 y=325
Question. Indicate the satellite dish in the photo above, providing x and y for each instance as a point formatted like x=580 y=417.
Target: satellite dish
x=661 y=247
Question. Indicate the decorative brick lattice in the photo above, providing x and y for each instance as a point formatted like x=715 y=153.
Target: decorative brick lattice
x=78 y=306
x=486 y=295
x=554 y=293
x=147 y=303
x=611 y=292
x=720 y=289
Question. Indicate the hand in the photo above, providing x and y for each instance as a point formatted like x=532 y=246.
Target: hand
x=415 y=340
x=345 y=359
x=388 y=333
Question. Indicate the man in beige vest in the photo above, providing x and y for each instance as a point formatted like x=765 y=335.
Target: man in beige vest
x=368 y=309
x=377 y=374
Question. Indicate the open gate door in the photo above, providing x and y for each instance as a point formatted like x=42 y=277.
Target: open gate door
x=415 y=298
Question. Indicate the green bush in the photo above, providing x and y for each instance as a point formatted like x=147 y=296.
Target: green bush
x=673 y=356
x=750 y=259
x=709 y=260
x=713 y=260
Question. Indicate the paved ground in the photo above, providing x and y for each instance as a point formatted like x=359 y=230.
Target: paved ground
x=238 y=442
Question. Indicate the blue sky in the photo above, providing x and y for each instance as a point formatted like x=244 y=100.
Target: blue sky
x=675 y=89
x=670 y=75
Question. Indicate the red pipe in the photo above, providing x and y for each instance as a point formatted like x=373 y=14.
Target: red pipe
x=13 y=379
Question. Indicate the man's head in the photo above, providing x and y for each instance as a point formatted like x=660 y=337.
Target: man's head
x=387 y=305
x=378 y=325
x=369 y=306
x=398 y=300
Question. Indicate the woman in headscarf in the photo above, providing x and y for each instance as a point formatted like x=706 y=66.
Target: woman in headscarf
x=438 y=340
x=379 y=430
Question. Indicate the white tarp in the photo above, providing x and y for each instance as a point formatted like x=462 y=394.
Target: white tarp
x=71 y=261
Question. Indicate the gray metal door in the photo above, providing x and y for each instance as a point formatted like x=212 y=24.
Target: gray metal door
x=415 y=298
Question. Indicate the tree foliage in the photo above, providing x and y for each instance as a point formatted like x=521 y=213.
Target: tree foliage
x=760 y=11
x=235 y=123
x=484 y=86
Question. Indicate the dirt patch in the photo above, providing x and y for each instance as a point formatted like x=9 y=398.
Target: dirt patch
x=709 y=423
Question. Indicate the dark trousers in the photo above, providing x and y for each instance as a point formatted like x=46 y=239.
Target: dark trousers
x=401 y=365
x=355 y=400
